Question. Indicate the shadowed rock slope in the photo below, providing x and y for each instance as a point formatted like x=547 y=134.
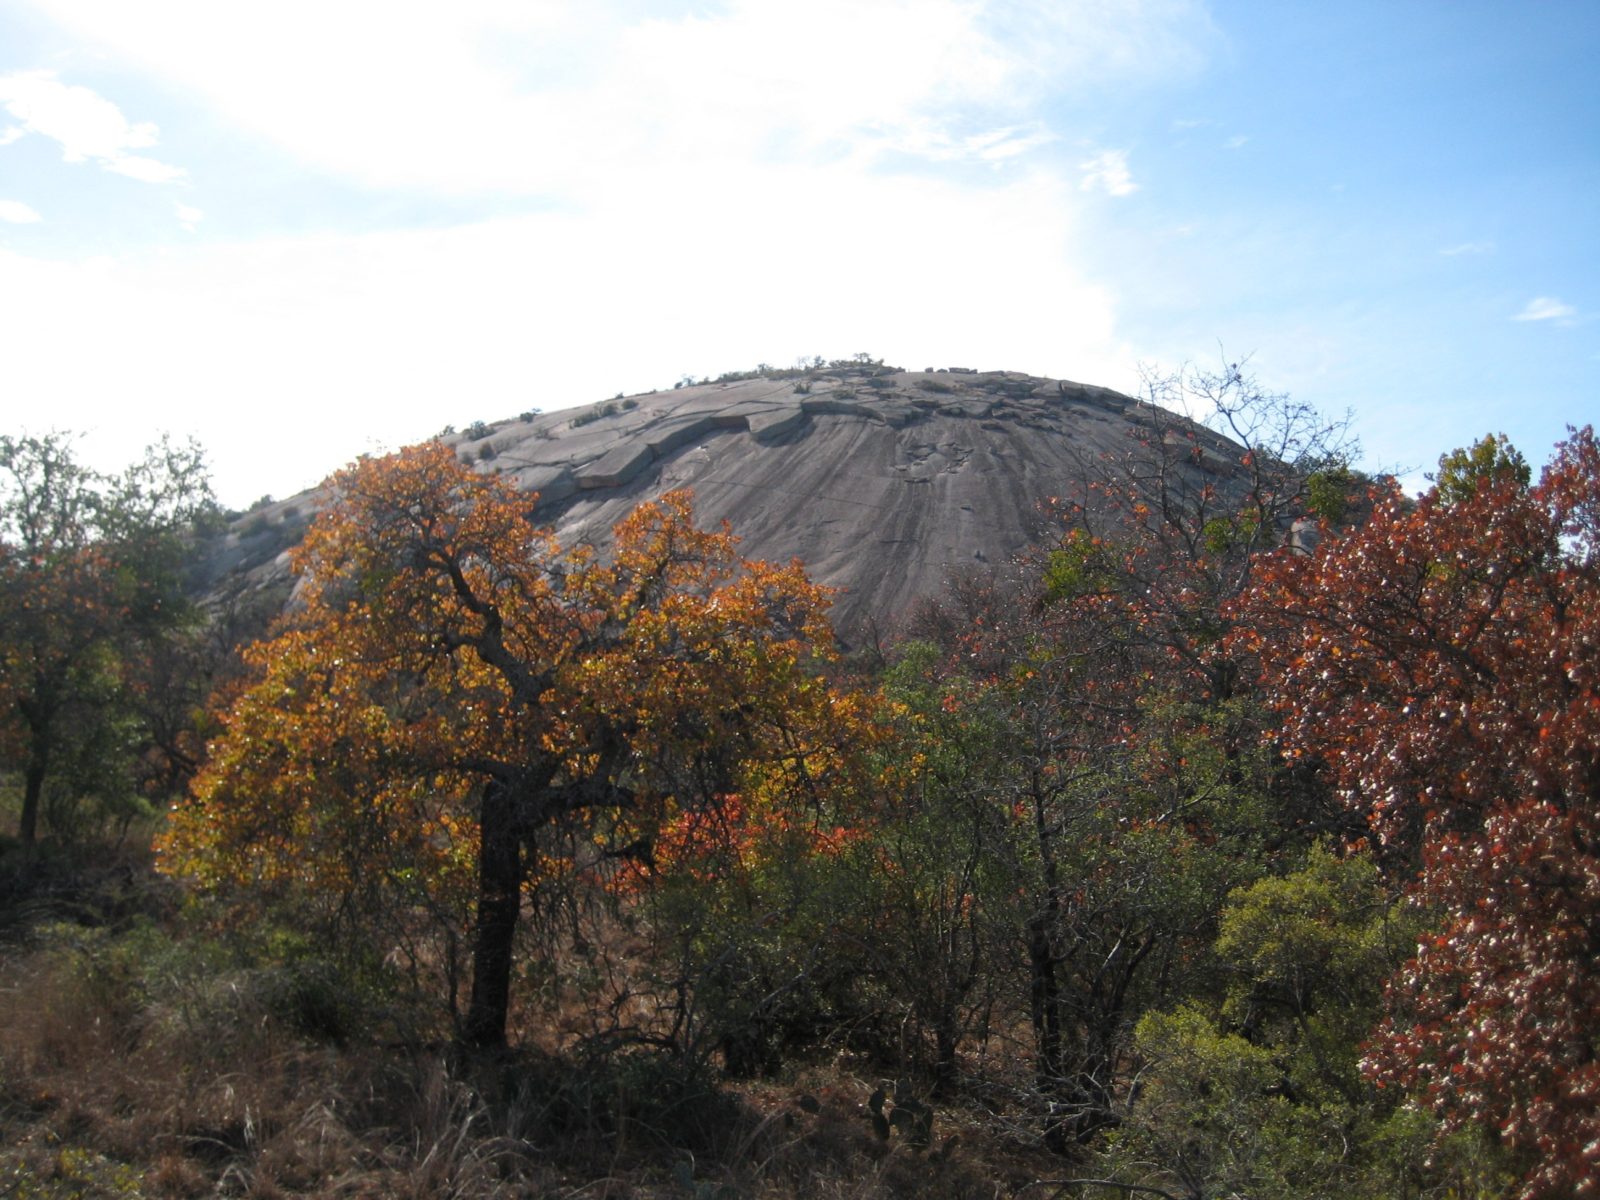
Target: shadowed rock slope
x=882 y=482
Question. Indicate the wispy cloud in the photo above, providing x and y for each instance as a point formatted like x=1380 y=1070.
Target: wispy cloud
x=1235 y=142
x=86 y=125
x=1467 y=248
x=556 y=97
x=1108 y=172
x=17 y=213
x=1546 y=308
x=684 y=144
x=997 y=145
x=188 y=216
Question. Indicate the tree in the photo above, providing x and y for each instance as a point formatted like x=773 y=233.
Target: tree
x=91 y=575
x=1107 y=823
x=460 y=708
x=1259 y=1091
x=1159 y=536
x=1440 y=663
x=1463 y=469
x=1124 y=764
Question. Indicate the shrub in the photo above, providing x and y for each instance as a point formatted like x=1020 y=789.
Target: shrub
x=588 y=417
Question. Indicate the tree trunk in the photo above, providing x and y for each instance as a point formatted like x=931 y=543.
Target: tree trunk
x=499 y=905
x=33 y=789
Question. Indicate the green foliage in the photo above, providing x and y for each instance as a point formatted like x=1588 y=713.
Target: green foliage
x=1491 y=459
x=92 y=588
x=757 y=956
x=1315 y=947
x=1208 y=1114
x=73 y=1173
x=945 y=867
x=194 y=985
x=1078 y=567
x=1263 y=1094
x=1328 y=491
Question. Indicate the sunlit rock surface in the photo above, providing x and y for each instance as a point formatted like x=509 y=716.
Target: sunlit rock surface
x=882 y=482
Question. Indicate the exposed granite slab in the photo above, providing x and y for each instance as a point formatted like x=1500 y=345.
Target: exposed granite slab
x=883 y=483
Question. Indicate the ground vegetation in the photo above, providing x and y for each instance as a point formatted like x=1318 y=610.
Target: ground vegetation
x=1236 y=841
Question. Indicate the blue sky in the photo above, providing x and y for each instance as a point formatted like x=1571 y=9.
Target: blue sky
x=304 y=231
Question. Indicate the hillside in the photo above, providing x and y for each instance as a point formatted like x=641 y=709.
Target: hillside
x=883 y=482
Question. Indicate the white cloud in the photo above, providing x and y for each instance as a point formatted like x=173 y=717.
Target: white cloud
x=1108 y=172
x=188 y=216
x=991 y=146
x=1467 y=248
x=1235 y=142
x=745 y=157
x=11 y=133
x=574 y=96
x=1545 y=308
x=144 y=169
x=17 y=213
x=85 y=125
x=322 y=344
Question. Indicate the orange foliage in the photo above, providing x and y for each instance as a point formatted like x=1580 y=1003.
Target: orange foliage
x=455 y=686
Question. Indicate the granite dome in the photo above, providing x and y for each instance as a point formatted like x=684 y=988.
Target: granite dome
x=882 y=482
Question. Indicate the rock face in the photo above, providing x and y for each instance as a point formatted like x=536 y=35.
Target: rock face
x=882 y=482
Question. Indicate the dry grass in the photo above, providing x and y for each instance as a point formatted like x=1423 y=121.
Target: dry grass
x=136 y=1063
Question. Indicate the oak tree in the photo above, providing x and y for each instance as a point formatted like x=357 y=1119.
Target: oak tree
x=460 y=707
x=1443 y=663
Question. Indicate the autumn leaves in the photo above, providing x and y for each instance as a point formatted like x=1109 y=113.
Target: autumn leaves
x=455 y=697
x=1058 y=802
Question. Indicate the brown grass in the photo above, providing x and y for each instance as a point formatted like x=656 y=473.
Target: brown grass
x=135 y=1062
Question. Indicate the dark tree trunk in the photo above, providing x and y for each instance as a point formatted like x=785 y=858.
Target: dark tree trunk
x=1045 y=1001
x=32 y=790
x=1044 y=981
x=499 y=904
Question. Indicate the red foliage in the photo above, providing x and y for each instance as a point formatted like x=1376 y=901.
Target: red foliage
x=1443 y=662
